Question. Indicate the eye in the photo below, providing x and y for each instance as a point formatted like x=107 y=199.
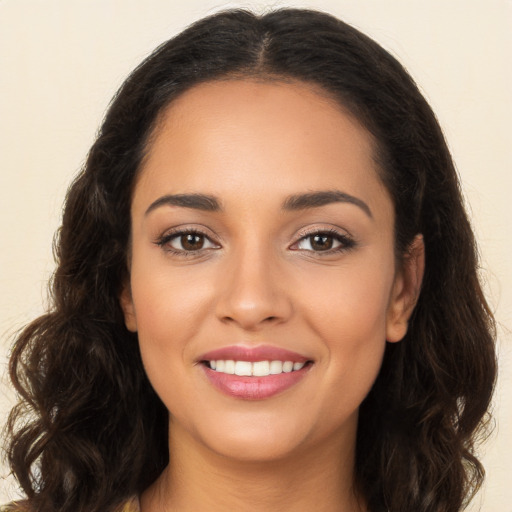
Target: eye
x=324 y=241
x=186 y=242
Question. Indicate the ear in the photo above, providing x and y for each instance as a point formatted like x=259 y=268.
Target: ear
x=406 y=290
x=126 y=301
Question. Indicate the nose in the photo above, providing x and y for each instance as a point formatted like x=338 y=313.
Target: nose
x=252 y=293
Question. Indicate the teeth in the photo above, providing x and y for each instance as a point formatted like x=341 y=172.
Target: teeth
x=229 y=367
x=256 y=369
x=287 y=366
x=243 y=368
x=261 y=368
x=276 y=367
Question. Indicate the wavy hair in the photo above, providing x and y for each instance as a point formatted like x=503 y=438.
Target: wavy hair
x=89 y=430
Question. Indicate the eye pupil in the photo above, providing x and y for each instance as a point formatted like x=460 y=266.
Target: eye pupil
x=321 y=242
x=192 y=241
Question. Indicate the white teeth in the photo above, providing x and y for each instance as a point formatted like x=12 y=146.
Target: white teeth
x=261 y=368
x=243 y=368
x=287 y=366
x=229 y=367
x=256 y=369
x=276 y=367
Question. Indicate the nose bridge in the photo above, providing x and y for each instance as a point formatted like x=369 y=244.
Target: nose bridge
x=252 y=291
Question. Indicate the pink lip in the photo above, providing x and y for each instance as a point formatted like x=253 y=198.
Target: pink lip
x=254 y=388
x=253 y=354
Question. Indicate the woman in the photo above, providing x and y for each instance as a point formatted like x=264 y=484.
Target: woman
x=266 y=294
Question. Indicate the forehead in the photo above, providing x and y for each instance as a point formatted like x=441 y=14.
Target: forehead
x=248 y=136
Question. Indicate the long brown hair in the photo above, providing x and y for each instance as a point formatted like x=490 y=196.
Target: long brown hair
x=89 y=430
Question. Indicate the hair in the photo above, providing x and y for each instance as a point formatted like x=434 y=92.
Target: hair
x=89 y=429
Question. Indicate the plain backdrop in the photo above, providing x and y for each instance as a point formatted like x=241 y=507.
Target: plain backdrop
x=62 y=60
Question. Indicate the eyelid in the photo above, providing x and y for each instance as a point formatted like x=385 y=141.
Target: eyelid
x=346 y=240
x=173 y=233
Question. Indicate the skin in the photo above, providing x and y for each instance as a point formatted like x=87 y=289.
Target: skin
x=258 y=279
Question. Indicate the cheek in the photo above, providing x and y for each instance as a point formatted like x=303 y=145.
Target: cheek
x=348 y=313
x=168 y=301
x=350 y=304
x=170 y=308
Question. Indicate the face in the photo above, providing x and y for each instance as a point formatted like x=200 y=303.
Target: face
x=262 y=242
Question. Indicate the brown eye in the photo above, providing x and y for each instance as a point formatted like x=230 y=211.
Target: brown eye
x=321 y=242
x=187 y=241
x=192 y=241
x=324 y=241
x=318 y=242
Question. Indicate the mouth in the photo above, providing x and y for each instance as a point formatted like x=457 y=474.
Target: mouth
x=255 y=369
x=254 y=373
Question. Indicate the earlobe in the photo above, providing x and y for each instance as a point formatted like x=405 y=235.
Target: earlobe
x=406 y=290
x=128 y=308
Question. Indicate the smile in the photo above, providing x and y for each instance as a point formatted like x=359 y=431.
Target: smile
x=254 y=369
x=254 y=373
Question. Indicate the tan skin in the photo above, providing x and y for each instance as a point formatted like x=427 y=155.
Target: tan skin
x=322 y=281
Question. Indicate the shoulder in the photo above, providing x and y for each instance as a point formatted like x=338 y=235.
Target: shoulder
x=130 y=505
x=15 y=506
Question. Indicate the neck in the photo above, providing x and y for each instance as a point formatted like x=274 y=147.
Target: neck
x=319 y=478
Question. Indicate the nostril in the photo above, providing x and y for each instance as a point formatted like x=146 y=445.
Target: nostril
x=252 y=312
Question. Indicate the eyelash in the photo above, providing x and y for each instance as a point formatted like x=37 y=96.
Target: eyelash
x=346 y=242
x=164 y=241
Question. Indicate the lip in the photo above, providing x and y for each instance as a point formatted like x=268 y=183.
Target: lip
x=254 y=354
x=254 y=388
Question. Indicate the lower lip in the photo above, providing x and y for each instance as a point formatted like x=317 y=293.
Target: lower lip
x=254 y=388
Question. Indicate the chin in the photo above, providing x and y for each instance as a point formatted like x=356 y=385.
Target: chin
x=267 y=436
x=246 y=437
x=257 y=447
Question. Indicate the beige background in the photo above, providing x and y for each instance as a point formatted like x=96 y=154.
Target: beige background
x=61 y=61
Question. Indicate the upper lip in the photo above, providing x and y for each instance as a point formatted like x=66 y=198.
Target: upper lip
x=253 y=354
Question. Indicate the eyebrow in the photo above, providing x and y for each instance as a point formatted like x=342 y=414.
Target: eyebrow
x=294 y=202
x=322 y=198
x=196 y=201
